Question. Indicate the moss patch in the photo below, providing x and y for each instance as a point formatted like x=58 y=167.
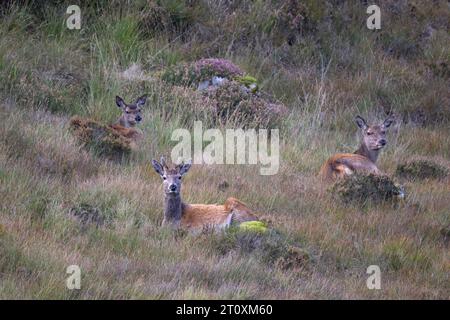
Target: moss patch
x=253 y=226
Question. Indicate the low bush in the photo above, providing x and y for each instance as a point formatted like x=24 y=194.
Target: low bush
x=191 y=74
x=362 y=188
x=421 y=169
x=102 y=138
x=271 y=246
x=87 y=215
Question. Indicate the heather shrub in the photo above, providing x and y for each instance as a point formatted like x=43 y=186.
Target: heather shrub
x=172 y=16
x=362 y=188
x=234 y=103
x=191 y=74
x=293 y=258
x=294 y=18
x=102 y=138
x=421 y=169
x=271 y=246
x=235 y=100
x=87 y=215
x=180 y=74
x=217 y=67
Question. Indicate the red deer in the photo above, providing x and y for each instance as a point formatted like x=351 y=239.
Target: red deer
x=363 y=159
x=131 y=115
x=196 y=217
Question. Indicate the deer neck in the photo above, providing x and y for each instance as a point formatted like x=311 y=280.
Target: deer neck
x=123 y=122
x=372 y=155
x=172 y=209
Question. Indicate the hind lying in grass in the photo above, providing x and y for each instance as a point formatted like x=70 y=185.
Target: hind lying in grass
x=362 y=160
x=196 y=217
x=115 y=140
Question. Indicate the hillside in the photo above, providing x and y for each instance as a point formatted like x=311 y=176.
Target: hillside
x=315 y=63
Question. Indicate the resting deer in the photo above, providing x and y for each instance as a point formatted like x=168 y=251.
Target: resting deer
x=131 y=115
x=196 y=217
x=363 y=159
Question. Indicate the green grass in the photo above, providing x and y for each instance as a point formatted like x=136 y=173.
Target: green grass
x=334 y=69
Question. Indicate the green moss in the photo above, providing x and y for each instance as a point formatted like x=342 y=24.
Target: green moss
x=248 y=81
x=253 y=226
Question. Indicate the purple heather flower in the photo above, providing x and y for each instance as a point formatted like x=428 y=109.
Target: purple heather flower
x=222 y=67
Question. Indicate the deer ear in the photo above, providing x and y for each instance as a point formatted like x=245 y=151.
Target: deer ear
x=184 y=167
x=141 y=100
x=158 y=167
x=119 y=101
x=387 y=123
x=361 y=122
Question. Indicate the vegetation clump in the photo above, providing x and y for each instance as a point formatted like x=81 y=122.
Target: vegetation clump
x=233 y=103
x=102 y=138
x=421 y=169
x=234 y=99
x=293 y=258
x=191 y=74
x=362 y=188
x=270 y=246
x=87 y=215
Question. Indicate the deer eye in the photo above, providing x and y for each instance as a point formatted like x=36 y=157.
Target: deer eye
x=164 y=178
x=127 y=111
x=369 y=133
x=179 y=177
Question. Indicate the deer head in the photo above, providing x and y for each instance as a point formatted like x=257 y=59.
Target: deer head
x=131 y=113
x=171 y=176
x=373 y=136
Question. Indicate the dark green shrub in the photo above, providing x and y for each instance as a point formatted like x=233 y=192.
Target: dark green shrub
x=233 y=102
x=421 y=169
x=362 y=188
x=272 y=247
x=191 y=74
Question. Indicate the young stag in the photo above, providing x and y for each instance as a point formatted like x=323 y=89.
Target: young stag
x=131 y=115
x=363 y=159
x=196 y=217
